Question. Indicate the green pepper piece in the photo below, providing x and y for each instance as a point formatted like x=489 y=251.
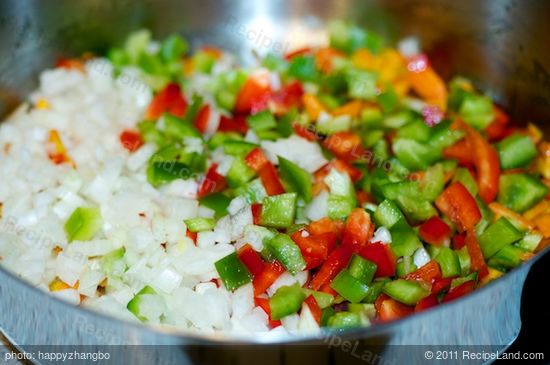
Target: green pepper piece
x=324 y=300
x=83 y=224
x=433 y=182
x=520 y=192
x=349 y=287
x=232 y=272
x=344 y=320
x=362 y=84
x=499 y=234
x=477 y=111
x=218 y=202
x=415 y=155
x=464 y=177
x=303 y=68
x=134 y=304
x=178 y=128
x=459 y=281
x=362 y=269
x=516 y=151
x=448 y=261
x=508 y=257
x=286 y=252
x=375 y=289
x=238 y=148
x=404 y=240
x=443 y=136
x=278 y=211
x=299 y=179
x=286 y=300
x=173 y=48
x=348 y=37
x=416 y=130
x=113 y=263
x=261 y=121
x=530 y=241
x=239 y=173
x=326 y=314
x=405 y=291
x=405 y=266
x=253 y=192
x=387 y=214
x=200 y=224
x=464 y=260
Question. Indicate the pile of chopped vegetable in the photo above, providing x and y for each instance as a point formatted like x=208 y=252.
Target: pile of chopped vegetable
x=394 y=191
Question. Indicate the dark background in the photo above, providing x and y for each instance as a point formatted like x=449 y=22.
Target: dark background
x=535 y=314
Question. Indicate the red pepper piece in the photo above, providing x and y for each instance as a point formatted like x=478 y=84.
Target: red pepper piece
x=235 y=124
x=270 y=179
x=428 y=273
x=435 y=231
x=254 y=89
x=131 y=140
x=264 y=304
x=391 y=310
x=169 y=100
x=212 y=182
x=459 y=205
x=382 y=255
x=426 y=303
x=201 y=120
x=256 y=213
x=267 y=277
x=477 y=261
x=314 y=308
x=359 y=229
x=251 y=260
x=256 y=159
x=336 y=261
x=459 y=291
x=345 y=145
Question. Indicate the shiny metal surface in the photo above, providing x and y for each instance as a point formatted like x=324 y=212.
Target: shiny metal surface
x=501 y=44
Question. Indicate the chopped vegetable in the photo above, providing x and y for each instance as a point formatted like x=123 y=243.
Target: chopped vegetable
x=83 y=224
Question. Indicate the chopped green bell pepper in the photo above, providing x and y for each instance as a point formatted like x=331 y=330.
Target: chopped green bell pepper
x=261 y=121
x=404 y=240
x=405 y=266
x=508 y=257
x=530 y=241
x=463 y=176
x=415 y=155
x=134 y=304
x=477 y=111
x=286 y=252
x=516 y=151
x=232 y=272
x=349 y=287
x=239 y=173
x=448 y=261
x=286 y=300
x=200 y=224
x=387 y=214
x=278 y=211
x=83 y=224
x=520 y=192
x=253 y=192
x=499 y=234
x=218 y=202
x=362 y=84
x=344 y=320
x=299 y=179
x=362 y=269
x=375 y=289
x=405 y=291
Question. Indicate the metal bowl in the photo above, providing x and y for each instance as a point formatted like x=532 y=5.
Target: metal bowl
x=500 y=44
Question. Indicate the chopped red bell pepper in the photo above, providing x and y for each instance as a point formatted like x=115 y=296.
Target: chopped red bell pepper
x=345 y=145
x=315 y=246
x=168 y=100
x=264 y=304
x=459 y=205
x=428 y=273
x=326 y=225
x=297 y=52
x=251 y=260
x=364 y=197
x=391 y=310
x=378 y=302
x=256 y=213
x=304 y=132
x=267 y=277
x=359 y=229
x=435 y=231
x=328 y=289
x=270 y=179
x=192 y=236
x=70 y=64
x=336 y=261
x=213 y=182
x=441 y=284
x=201 y=120
x=342 y=166
x=498 y=129
x=426 y=303
x=459 y=291
x=459 y=241
x=486 y=162
x=256 y=159
x=477 y=261
x=314 y=308
x=382 y=255
x=460 y=152
x=236 y=124
x=288 y=96
x=254 y=89
x=131 y=140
